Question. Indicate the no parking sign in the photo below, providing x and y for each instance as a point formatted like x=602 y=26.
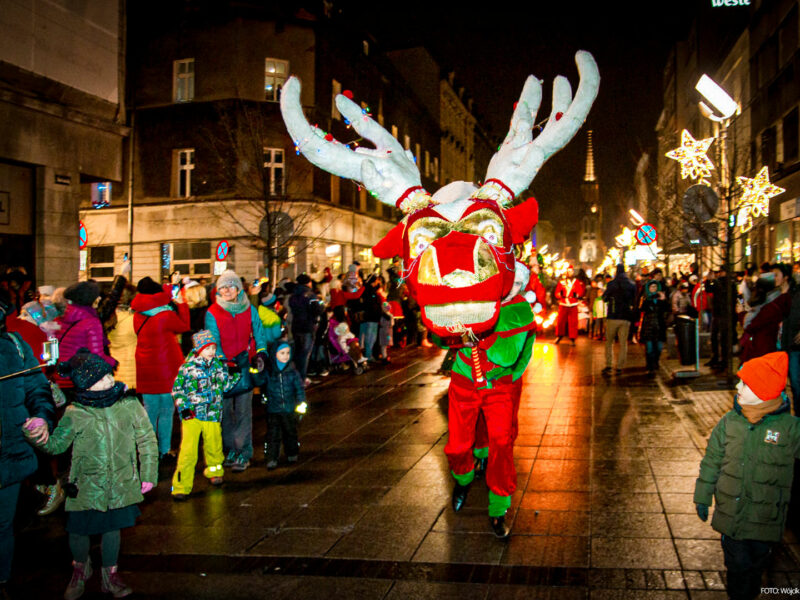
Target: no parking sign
x=222 y=250
x=646 y=234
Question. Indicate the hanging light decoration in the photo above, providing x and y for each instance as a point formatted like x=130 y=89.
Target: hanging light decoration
x=692 y=156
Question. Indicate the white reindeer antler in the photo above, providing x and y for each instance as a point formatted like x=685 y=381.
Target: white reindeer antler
x=520 y=157
x=387 y=171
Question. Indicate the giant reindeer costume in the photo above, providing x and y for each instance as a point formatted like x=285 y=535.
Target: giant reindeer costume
x=458 y=258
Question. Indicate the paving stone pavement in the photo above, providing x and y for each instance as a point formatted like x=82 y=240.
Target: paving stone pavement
x=605 y=467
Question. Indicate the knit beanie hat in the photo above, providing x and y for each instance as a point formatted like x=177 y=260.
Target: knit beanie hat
x=269 y=301
x=229 y=278
x=83 y=293
x=84 y=369
x=148 y=286
x=201 y=339
x=766 y=375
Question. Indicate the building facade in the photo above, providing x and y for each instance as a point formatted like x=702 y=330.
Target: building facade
x=213 y=165
x=62 y=127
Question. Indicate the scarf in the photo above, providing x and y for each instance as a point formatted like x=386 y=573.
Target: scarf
x=239 y=305
x=755 y=412
x=102 y=399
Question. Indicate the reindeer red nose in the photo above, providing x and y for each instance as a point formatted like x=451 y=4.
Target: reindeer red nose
x=456 y=252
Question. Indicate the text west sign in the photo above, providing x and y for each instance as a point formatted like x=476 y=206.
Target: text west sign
x=716 y=3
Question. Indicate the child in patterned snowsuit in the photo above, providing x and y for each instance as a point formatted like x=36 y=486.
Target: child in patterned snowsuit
x=197 y=393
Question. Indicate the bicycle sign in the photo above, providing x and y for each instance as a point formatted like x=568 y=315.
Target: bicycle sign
x=646 y=234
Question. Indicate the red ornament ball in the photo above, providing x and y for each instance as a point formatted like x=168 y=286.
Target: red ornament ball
x=559 y=115
x=329 y=138
x=347 y=94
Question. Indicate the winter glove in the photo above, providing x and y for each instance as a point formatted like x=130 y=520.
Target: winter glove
x=234 y=368
x=147 y=486
x=259 y=362
x=187 y=414
x=702 y=511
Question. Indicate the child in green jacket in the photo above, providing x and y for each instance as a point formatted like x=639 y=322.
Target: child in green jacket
x=748 y=469
x=106 y=429
x=197 y=393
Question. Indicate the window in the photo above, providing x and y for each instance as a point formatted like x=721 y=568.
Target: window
x=370 y=204
x=335 y=189
x=183 y=159
x=436 y=169
x=418 y=154
x=790 y=136
x=768 y=148
x=427 y=164
x=275 y=72
x=787 y=36
x=336 y=90
x=365 y=47
x=101 y=263
x=407 y=142
x=101 y=194
x=395 y=132
x=192 y=258
x=183 y=78
x=274 y=166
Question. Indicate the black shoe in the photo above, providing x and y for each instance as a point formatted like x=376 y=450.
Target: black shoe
x=606 y=371
x=499 y=527
x=618 y=371
x=571 y=341
x=459 y=496
x=558 y=339
x=480 y=466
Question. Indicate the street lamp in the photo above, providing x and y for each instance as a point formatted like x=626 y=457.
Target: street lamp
x=727 y=107
x=636 y=218
x=718 y=98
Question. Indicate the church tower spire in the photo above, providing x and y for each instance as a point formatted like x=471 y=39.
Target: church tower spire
x=589 y=176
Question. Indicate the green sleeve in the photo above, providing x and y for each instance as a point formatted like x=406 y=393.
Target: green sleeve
x=505 y=351
x=64 y=434
x=711 y=465
x=146 y=443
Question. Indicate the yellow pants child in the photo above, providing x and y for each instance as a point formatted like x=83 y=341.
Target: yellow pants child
x=191 y=430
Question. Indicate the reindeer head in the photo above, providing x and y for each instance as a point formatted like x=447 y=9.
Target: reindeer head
x=457 y=245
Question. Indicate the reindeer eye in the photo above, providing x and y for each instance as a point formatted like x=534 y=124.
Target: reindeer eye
x=419 y=243
x=490 y=231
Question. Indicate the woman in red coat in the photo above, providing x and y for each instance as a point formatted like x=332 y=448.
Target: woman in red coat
x=158 y=354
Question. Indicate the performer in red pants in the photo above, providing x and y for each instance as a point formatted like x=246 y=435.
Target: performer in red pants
x=569 y=292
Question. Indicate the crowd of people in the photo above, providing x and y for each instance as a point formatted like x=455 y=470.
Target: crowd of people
x=133 y=357
x=755 y=312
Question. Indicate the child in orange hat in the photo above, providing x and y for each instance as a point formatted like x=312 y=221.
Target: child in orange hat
x=748 y=469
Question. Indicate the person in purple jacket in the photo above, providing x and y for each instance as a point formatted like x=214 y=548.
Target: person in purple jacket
x=81 y=328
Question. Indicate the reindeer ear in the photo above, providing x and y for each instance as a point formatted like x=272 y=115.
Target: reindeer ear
x=392 y=243
x=521 y=219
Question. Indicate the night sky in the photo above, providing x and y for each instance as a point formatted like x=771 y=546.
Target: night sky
x=493 y=50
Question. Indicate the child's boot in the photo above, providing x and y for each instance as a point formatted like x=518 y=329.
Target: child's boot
x=80 y=575
x=113 y=584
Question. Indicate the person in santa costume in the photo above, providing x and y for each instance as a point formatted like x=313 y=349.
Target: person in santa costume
x=569 y=293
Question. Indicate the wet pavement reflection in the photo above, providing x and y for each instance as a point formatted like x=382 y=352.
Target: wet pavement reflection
x=605 y=473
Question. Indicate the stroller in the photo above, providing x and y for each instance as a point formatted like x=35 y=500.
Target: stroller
x=339 y=357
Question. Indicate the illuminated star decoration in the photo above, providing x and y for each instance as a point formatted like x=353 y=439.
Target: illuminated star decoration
x=754 y=202
x=692 y=156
